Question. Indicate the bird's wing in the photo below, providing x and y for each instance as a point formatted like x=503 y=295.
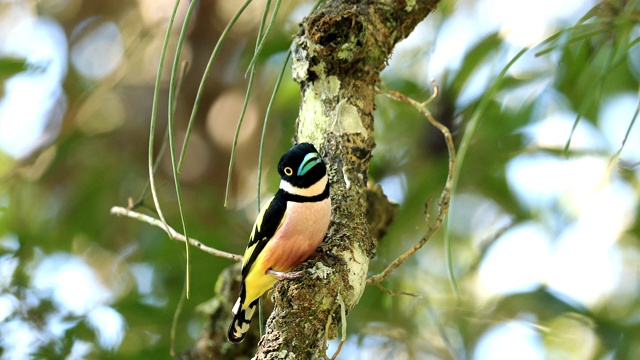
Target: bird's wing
x=269 y=220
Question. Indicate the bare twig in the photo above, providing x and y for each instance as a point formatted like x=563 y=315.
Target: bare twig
x=338 y=350
x=445 y=196
x=343 y=318
x=174 y=235
x=391 y=293
x=343 y=338
x=326 y=336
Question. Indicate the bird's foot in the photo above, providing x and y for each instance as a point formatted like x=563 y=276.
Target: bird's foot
x=285 y=275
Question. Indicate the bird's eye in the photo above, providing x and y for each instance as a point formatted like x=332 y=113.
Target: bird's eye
x=288 y=171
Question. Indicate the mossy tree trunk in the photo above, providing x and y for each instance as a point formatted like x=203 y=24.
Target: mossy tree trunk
x=339 y=53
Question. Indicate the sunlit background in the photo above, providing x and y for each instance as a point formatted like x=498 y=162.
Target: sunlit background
x=545 y=242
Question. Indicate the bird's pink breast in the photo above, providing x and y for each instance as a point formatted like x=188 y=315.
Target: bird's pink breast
x=299 y=236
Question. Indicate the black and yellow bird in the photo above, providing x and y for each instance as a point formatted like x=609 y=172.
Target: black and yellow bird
x=289 y=228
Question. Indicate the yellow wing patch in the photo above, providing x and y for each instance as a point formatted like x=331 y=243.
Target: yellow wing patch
x=256 y=229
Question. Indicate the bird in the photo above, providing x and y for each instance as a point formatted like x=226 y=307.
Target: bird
x=289 y=228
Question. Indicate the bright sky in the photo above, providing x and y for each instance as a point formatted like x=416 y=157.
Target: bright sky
x=34 y=103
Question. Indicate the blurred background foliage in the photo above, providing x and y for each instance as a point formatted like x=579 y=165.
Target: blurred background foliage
x=544 y=233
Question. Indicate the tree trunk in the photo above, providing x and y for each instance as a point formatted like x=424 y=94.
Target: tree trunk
x=337 y=59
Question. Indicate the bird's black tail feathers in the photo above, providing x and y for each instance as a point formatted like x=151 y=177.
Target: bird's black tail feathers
x=241 y=320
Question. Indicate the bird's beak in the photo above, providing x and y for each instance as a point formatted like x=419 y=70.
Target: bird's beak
x=309 y=161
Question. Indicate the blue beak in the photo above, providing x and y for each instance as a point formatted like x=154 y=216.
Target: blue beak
x=311 y=160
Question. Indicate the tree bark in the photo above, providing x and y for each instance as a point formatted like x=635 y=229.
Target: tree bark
x=337 y=58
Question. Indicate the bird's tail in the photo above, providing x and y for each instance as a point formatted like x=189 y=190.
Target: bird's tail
x=241 y=320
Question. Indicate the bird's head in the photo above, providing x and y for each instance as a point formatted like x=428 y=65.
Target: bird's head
x=302 y=166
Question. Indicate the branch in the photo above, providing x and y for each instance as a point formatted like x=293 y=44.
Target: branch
x=391 y=293
x=445 y=196
x=174 y=235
